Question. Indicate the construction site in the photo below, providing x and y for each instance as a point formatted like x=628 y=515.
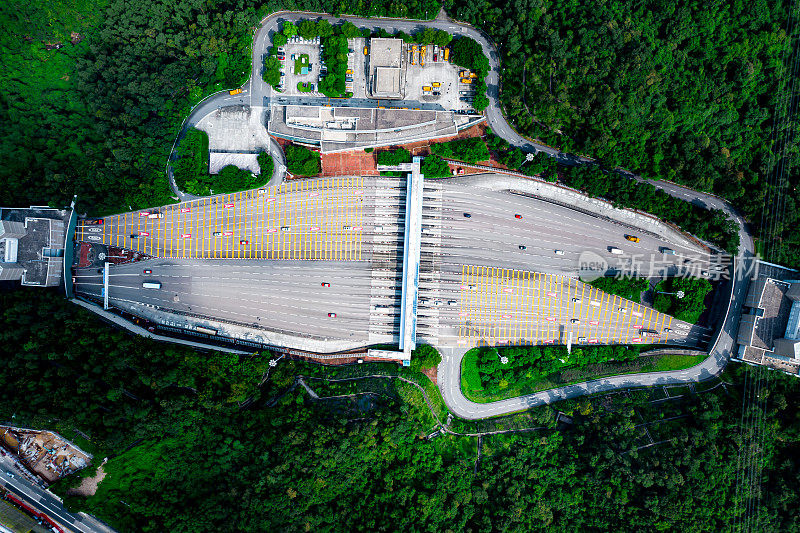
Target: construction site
x=45 y=454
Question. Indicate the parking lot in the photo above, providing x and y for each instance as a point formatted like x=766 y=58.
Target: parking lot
x=425 y=74
x=293 y=51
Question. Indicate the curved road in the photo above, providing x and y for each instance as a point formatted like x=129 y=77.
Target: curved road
x=257 y=93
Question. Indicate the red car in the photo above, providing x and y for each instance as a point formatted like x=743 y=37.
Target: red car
x=186 y=210
x=148 y=271
x=314 y=228
x=143 y=234
x=326 y=284
x=244 y=242
x=228 y=205
x=144 y=213
x=271 y=230
x=227 y=233
x=331 y=315
x=186 y=236
x=518 y=216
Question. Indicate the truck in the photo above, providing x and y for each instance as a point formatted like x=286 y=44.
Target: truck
x=466 y=80
x=155 y=215
x=648 y=333
x=235 y=92
x=473 y=75
x=151 y=285
x=667 y=251
x=446 y=54
x=422 y=56
x=436 y=84
x=426 y=88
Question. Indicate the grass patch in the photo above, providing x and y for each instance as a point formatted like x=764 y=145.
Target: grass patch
x=304 y=87
x=300 y=62
x=628 y=288
x=476 y=393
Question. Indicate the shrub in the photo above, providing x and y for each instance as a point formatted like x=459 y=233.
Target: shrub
x=301 y=161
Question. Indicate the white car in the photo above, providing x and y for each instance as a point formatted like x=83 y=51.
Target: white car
x=559 y=252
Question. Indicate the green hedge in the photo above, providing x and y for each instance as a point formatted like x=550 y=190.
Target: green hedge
x=470 y=150
x=628 y=288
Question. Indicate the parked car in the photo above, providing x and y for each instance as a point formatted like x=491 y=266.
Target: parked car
x=522 y=247
x=467 y=215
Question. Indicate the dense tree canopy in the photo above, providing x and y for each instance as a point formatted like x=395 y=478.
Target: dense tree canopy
x=674 y=90
x=196 y=445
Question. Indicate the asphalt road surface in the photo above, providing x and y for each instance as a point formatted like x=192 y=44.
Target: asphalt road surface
x=45 y=501
x=282 y=296
x=310 y=219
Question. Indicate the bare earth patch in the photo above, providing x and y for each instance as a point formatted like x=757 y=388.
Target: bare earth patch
x=89 y=484
x=431 y=373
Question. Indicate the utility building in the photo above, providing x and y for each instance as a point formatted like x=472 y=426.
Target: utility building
x=32 y=245
x=769 y=330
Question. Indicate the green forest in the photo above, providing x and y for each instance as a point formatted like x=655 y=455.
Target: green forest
x=195 y=443
x=678 y=91
x=94 y=94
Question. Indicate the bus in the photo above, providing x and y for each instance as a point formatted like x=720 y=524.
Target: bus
x=207 y=331
x=648 y=333
x=151 y=285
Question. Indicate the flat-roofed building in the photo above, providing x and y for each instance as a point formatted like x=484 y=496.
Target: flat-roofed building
x=32 y=245
x=769 y=329
x=385 y=62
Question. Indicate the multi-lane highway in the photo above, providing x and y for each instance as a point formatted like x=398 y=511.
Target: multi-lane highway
x=340 y=241
x=500 y=251
x=290 y=297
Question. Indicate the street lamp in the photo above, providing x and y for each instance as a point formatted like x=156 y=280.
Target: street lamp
x=679 y=294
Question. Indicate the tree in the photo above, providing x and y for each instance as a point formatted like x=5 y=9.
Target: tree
x=425 y=356
x=350 y=31
x=289 y=29
x=434 y=166
x=307 y=29
x=302 y=161
x=271 y=73
x=279 y=39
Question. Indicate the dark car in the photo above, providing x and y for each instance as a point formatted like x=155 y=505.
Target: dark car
x=522 y=247
x=467 y=215
x=326 y=284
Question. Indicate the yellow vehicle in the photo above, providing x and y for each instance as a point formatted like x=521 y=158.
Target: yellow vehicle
x=436 y=84
x=381 y=107
x=426 y=88
x=365 y=51
x=349 y=71
x=234 y=92
x=473 y=75
x=413 y=53
x=632 y=238
x=446 y=54
x=422 y=56
x=466 y=80
x=463 y=73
